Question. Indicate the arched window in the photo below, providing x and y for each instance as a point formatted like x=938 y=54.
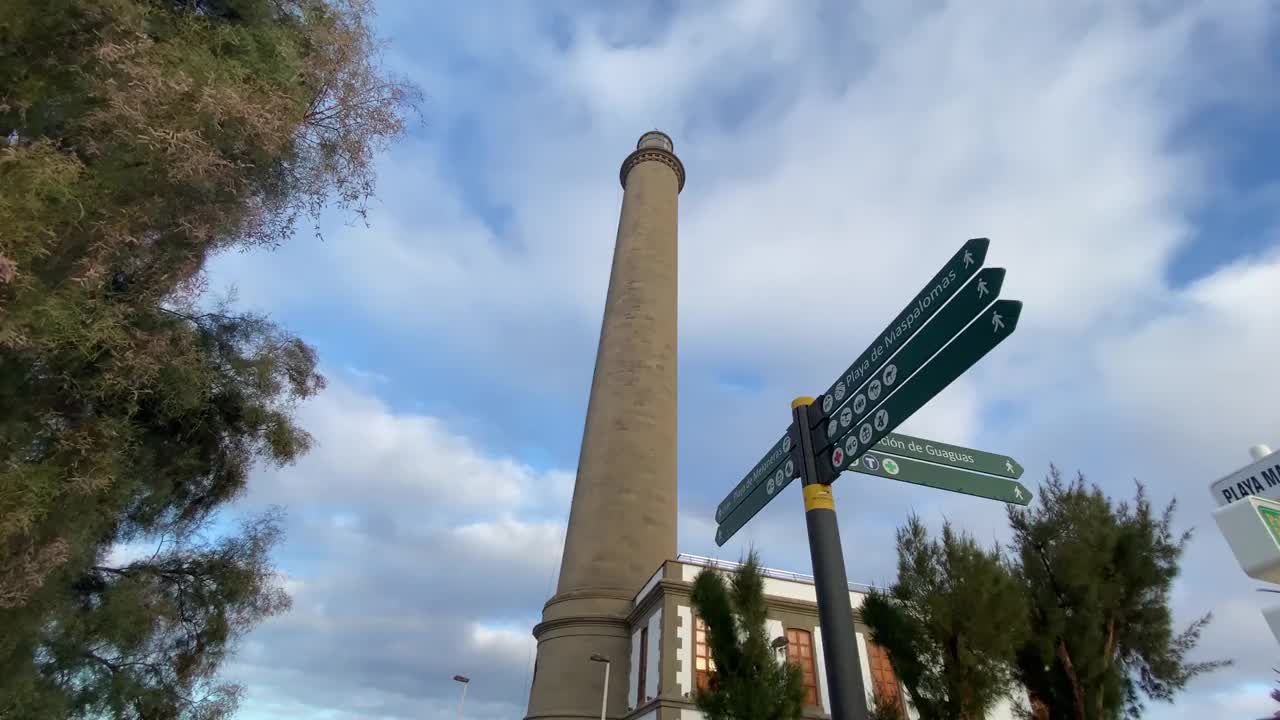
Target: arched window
x=644 y=663
x=703 y=666
x=800 y=652
x=884 y=682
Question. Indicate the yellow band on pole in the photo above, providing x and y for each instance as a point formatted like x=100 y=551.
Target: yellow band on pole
x=802 y=400
x=818 y=497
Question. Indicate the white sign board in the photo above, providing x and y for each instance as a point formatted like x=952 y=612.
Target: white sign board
x=1260 y=479
x=1272 y=616
x=1252 y=529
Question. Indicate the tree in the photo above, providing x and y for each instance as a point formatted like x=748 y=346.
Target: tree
x=1097 y=578
x=951 y=623
x=139 y=138
x=145 y=638
x=748 y=683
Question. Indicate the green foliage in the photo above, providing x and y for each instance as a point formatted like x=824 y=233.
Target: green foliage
x=951 y=623
x=749 y=682
x=1097 y=577
x=1275 y=695
x=145 y=638
x=137 y=139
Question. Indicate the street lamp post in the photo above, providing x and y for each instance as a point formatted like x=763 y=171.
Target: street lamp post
x=604 y=695
x=465 y=682
x=779 y=644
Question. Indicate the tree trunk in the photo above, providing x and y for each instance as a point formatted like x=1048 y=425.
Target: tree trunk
x=1077 y=691
x=1109 y=651
x=1039 y=708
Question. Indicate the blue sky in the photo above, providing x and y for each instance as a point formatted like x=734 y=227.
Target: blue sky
x=1122 y=157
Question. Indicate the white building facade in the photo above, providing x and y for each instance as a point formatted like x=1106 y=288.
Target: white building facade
x=669 y=657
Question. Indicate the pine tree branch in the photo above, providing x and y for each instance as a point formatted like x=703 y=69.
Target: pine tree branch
x=197 y=318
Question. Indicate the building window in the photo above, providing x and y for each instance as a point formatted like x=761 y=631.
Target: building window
x=884 y=682
x=644 y=662
x=800 y=652
x=703 y=666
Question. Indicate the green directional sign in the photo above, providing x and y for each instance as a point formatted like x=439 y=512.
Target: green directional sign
x=953 y=455
x=754 y=503
x=958 y=313
x=942 y=478
x=962 y=266
x=1271 y=519
x=772 y=463
x=982 y=335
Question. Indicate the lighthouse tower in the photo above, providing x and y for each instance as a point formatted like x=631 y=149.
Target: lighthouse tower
x=622 y=523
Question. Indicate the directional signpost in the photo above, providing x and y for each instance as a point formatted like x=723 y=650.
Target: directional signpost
x=949 y=325
x=951 y=455
x=942 y=478
x=962 y=266
x=755 y=501
x=915 y=355
x=966 y=349
x=772 y=461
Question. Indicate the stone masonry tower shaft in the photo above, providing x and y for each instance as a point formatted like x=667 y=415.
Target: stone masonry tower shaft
x=622 y=524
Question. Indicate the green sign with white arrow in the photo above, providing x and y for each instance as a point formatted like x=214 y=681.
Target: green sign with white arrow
x=987 y=331
x=958 y=313
x=953 y=455
x=770 y=464
x=755 y=502
x=942 y=478
x=962 y=266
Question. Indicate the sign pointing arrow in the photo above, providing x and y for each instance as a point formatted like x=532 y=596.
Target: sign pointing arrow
x=958 y=356
x=752 y=504
x=942 y=478
x=952 y=455
x=967 y=260
x=763 y=469
x=967 y=305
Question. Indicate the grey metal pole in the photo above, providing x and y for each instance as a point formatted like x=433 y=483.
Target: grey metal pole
x=466 y=681
x=604 y=697
x=839 y=643
x=604 y=694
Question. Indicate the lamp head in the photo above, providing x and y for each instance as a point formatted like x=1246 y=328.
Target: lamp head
x=597 y=657
x=462 y=678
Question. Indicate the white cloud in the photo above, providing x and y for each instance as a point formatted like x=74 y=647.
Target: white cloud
x=407 y=465
x=397 y=532
x=1248 y=701
x=515 y=644
x=1195 y=373
x=124 y=553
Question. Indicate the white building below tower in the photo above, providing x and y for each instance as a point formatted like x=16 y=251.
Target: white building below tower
x=669 y=657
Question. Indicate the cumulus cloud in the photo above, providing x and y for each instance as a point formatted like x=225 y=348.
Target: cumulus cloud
x=404 y=465
x=400 y=534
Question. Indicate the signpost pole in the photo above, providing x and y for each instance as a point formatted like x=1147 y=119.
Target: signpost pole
x=839 y=643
